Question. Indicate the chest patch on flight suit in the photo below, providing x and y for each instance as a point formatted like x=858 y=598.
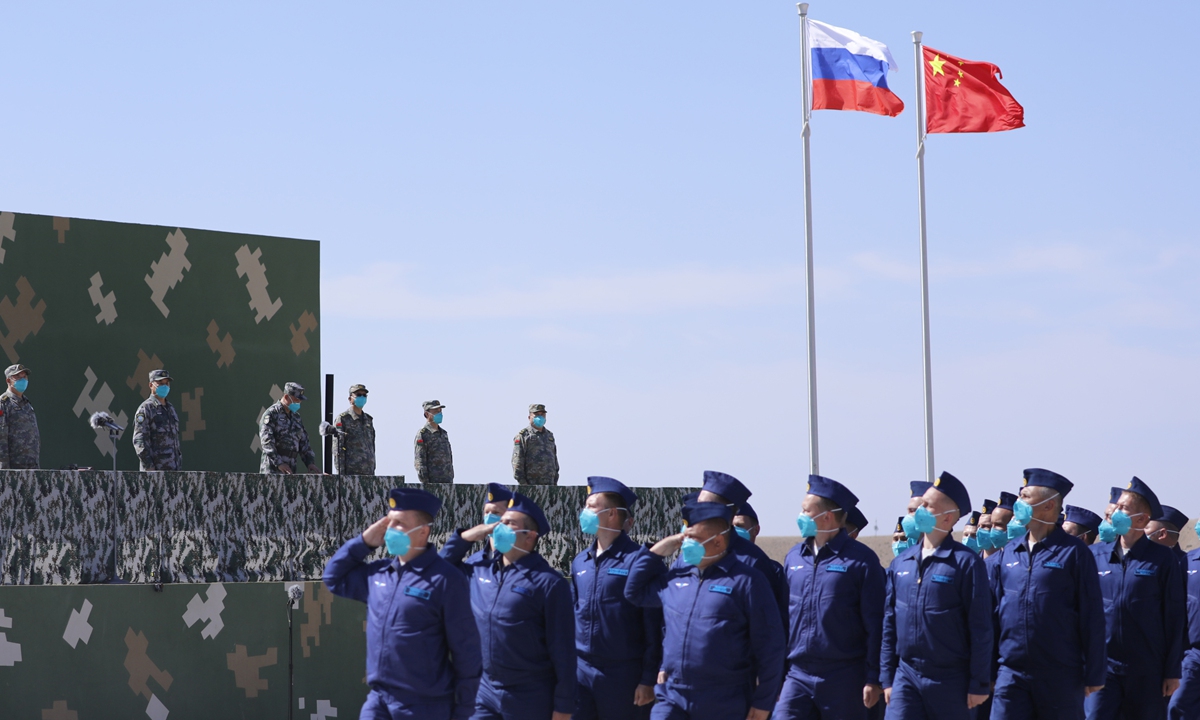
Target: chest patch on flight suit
x=618 y=571
x=1144 y=572
x=942 y=579
x=417 y=592
x=835 y=568
x=723 y=589
x=522 y=590
x=1049 y=564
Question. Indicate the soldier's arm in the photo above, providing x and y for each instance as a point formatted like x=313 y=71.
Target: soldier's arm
x=766 y=641
x=4 y=463
x=1175 y=614
x=652 y=626
x=555 y=463
x=871 y=609
x=462 y=638
x=977 y=595
x=346 y=573
x=560 y=632
x=888 y=655
x=419 y=457
x=647 y=578
x=266 y=436
x=139 y=438
x=1092 y=630
x=307 y=456
x=518 y=460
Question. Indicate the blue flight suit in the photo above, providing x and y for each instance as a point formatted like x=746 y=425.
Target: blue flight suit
x=835 y=630
x=1145 y=613
x=937 y=633
x=526 y=632
x=752 y=556
x=619 y=643
x=723 y=645
x=1185 y=703
x=1050 y=625
x=422 y=646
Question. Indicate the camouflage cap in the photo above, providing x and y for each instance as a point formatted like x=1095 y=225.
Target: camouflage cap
x=14 y=369
x=537 y=408
x=156 y=375
x=356 y=388
x=431 y=405
x=296 y=390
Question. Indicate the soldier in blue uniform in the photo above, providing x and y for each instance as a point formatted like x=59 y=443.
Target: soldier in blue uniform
x=970 y=533
x=836 y=615
x=1145 y=613
x=422 y=646
x=523 y=610
x=495 y=503
x=855 y=522
x=1105 y=533
x=989 y=541
x=916 y=491
x=1164 y=530
x=1082 y=523
x=1185 y=703
x=937 y=623
x=723 y=648
x=1002 y=517
x=1049 y=612
x=745 y=523
x=728 y=490
x=619 y=643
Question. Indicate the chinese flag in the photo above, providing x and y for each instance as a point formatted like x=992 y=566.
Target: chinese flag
x=963 y=96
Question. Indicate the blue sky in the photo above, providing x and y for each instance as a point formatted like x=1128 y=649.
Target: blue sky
x=598 y=207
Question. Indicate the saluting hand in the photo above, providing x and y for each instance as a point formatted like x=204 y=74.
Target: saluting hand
x=478 y=532
x=974 y=701
x=668 y=546
x=373 y=536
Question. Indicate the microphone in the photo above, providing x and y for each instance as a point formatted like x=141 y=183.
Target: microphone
x=104 y=420
x=330 y=429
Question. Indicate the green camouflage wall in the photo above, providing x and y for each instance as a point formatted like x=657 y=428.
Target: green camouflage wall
x=91 y=307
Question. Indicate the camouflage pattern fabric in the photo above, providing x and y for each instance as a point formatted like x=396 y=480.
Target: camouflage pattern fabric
x=357 y=444
x=284 y=440
x=20 y=442
x=156 y=436
x=535 y=457
x=73 y=527
x=432 y=455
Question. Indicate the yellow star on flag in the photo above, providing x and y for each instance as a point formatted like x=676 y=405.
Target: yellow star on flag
x=936 y=63
x=957 y=82
x=960 y=73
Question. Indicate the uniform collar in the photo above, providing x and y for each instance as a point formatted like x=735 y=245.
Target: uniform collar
x=431 y=427
x=621 y=545
x=835 y=544
x=420 y=562
x=528 y=561
x=721 y=566
x=1135 y=552
x=1054 y=538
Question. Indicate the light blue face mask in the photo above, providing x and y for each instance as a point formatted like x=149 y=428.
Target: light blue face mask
x=294 y=407
x=899 y=546
x=398 y=542
x=808 y=525
x=539 y=421
x=1107 y=533
x=360 y=401
x=1122 y=521
x=1023 y=511
x=999 y=538
x=1015 y=529
x=20 y=385
x=438 y=418
x=1197 y=527
x=692 y=550
x=909 y=525
x=589 y=521
x=162 y=391
x=489 y=518
x=972 y=543
x=504 y=538
x=743 y=533
x=926 y=521
x=983 y=536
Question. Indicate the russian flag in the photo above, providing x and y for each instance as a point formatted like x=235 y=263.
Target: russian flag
x=849 y=71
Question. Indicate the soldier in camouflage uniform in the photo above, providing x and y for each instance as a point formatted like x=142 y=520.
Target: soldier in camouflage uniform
x=156 y=427
x=284 y=440
x=20 y=442
x=356 y=440
x=432 y=456
x=535 y=456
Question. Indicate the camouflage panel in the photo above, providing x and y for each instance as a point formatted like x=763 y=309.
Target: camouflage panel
x=140 y=525
x=61 y=527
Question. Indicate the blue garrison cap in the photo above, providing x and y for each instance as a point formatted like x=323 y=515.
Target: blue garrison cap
x=1007 y=500
x=1083 y=517
x=1114 y=494
x=498 y=493
x=832 y=490
x=727 y=486
x=748 y=511
x=1173 y=516
x=917 y=488
x=988 y=507
x=899 y=524
x=1037 y=477
x=974 y=520
x=598 y=484
x=698 y=512
x=1137 y=486
x=955 y=490
x=855 y=517
x=520 y=503
x=414 y=499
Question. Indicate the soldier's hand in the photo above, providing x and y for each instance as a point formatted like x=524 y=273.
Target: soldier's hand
x=1170 y=685
x=871 y=694
x=560 y=716
x=974 y=701
x=478 y=532
x=662 y=676
x=1091 y=689
x=887 y=695
x=373 y=536
x=668 y=546
x=284 y=468
x=314 y=469
x=756 y=714
x=643 y=695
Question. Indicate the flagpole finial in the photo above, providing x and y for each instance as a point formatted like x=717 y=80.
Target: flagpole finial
x=803 y=8
x=917 y=35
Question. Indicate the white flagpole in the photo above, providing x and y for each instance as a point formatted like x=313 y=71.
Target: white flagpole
x=919 y=73
x=806 y=85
